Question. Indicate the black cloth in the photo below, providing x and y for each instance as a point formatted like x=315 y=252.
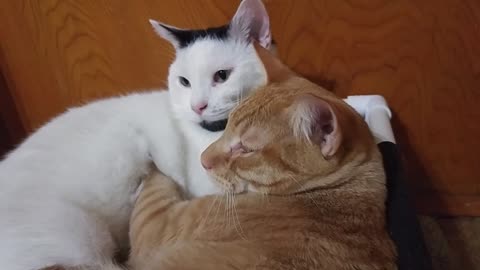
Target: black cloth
x=402 y=221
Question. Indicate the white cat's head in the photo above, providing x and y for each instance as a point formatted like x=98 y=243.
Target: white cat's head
x=215 y=68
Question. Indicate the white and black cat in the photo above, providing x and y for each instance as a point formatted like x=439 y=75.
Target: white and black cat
x=65 y=192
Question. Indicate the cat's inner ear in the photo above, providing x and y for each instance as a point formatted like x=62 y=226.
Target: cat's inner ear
x=251 y=22
x=170 y=33
x=315 y=119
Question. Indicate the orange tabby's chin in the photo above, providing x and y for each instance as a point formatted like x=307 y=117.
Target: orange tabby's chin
x=235 y=186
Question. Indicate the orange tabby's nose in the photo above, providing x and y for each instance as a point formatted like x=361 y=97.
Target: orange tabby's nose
x=207 y=164
x=214 y=156
x=211 y=159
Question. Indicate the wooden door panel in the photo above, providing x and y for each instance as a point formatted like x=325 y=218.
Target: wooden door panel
x=423 y=56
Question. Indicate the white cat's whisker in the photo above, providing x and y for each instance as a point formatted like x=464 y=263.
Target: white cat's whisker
x=241 y=96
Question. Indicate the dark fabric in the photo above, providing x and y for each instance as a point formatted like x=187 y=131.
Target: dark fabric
x=402 y=221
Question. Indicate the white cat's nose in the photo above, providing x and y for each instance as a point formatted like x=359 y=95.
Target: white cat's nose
x=200 y=107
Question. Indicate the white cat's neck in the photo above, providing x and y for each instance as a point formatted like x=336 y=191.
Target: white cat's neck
x=174 y=143
x=194 y=132
x=197 y=139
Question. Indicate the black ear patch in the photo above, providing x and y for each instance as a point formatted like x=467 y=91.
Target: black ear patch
x=187 y=37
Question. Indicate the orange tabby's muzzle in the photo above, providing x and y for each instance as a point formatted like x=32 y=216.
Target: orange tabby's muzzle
x=213 y=156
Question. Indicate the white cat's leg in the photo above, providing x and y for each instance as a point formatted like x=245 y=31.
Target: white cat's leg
x=62 y=234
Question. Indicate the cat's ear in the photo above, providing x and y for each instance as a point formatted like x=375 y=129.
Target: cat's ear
x=315 y=119
x=168 y=32
x=251 y=22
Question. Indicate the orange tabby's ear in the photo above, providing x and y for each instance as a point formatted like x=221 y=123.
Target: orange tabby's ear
x=275 y=69
x=315 y=119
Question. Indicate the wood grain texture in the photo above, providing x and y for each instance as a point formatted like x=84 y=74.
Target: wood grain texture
x=11 y=129
x=423 y=56
x=5 y=142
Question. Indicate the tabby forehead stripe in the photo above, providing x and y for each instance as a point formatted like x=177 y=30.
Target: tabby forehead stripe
x=250 y=114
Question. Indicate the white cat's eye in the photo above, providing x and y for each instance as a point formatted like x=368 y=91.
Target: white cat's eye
x=184 y=81
x=221 y=75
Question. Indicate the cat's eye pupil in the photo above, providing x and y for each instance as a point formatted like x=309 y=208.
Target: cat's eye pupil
x=221 y=76
x=184 y=81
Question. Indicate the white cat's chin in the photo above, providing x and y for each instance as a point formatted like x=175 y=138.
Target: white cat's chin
x=215 y=117
x=208 y=122
x=186 y=115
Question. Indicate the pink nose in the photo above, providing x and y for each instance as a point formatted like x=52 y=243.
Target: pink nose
x=200 y=107
x=206 y=164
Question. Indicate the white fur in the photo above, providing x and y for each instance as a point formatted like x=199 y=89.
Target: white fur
x=302 y=120
x=66 y=193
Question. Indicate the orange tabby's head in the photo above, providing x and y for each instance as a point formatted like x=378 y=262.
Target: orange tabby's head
x=285 y=137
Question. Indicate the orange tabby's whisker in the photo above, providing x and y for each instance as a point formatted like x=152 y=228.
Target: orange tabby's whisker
x=219 y=206
x=204 y=220
x=308 y=194
x=241 y=233
x=266 y=197
x=230 y=217
x=229 y=209
x=225 y=210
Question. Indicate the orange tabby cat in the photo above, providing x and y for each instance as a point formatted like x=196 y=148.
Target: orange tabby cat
x=305 y=189
x=309 y=185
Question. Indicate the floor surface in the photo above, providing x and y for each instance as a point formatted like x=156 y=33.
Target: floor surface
x=453 y=243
